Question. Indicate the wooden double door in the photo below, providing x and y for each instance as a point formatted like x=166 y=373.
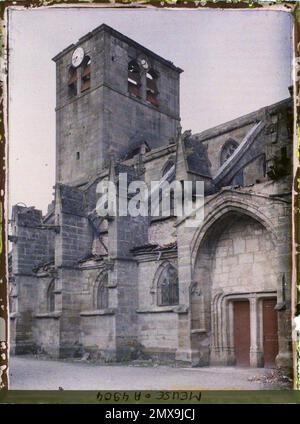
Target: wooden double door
x=242 y=332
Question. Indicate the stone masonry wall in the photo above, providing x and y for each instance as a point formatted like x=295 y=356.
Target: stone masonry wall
x=33 y=245
x=157 y=326
x=97 y=328
x=244 y=258
x=26 y=306
x=46 y=335
x=74 y=241
x=162 y=232
x=158 y=333
x=98 y=335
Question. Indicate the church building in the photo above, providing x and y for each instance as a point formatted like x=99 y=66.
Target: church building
x=120 y=288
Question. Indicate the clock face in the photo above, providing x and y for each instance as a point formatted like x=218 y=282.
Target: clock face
x=77 y=57
x=144 y=63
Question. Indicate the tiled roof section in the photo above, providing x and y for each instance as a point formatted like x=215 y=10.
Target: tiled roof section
x=91 y=257
x=46 y=267
x=145 y=248
x=167 y=246
x=149 y=248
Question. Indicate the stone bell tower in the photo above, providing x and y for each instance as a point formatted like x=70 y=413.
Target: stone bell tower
x=111 y=93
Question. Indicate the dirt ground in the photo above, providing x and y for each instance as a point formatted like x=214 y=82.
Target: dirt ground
x=44 y=374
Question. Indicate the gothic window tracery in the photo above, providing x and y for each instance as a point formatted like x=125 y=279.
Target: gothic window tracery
x=101 y=299
x=51 y=297
x=168 y=287
x=227 y=151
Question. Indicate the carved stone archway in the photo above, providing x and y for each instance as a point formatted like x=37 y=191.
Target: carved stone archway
x=234 y=242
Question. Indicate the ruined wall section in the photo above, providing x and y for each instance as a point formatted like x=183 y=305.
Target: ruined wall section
x=32 y=245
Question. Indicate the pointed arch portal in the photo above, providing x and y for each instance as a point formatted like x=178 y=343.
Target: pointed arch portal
x=234 y=275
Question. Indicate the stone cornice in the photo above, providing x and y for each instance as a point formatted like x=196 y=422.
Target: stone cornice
x=47 y=315
x=98 y=312
x=155 y=256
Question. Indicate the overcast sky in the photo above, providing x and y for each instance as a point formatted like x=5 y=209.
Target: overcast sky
x=234 y=62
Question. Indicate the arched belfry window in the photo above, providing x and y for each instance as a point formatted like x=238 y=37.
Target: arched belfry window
x=101 y=293
x=86 y=74
x=134 y=79
x=72 y=81
x=151 y=84
x=227 y=151
x=167 y=287
x=51 y=297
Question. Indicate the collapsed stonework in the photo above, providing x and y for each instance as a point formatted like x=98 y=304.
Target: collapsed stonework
x=121 y=288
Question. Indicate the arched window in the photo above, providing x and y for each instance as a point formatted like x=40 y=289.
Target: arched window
x=102 y=292
x=86 y=74
x=51 y=297
x=134 y=79
x=167 y=287
x=151 y=84
x=227 y=151
x=72 y=81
